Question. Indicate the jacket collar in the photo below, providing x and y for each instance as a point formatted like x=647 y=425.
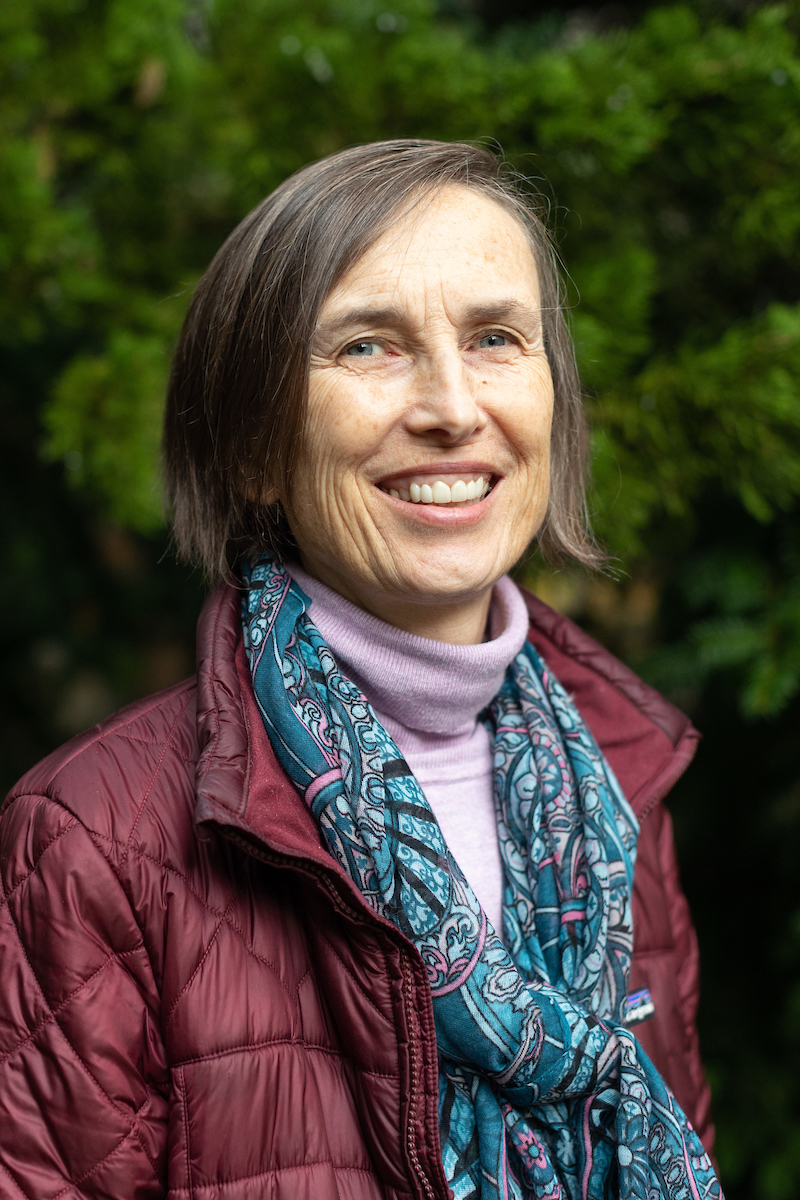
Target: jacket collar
x=648 y=742
x=240 y=783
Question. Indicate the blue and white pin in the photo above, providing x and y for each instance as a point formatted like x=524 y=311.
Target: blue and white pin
x=639 y=1007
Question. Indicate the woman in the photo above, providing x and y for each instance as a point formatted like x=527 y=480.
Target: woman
x=350 y=914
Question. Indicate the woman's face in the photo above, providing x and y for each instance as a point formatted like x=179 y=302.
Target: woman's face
x=424 y=473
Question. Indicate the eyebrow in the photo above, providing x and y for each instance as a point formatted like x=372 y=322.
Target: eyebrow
x=497 y=310
x=501 y=310
x=361 y=316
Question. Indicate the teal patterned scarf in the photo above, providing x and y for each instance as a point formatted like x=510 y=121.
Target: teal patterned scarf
x=542 y=1091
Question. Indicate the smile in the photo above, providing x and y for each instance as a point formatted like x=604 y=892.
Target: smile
x=446 y=489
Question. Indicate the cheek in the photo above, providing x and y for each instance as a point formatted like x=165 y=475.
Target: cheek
x=342 y=427
x=327 y=435
x=531 y=423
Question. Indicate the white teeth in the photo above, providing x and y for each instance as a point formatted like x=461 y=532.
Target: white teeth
x=439 y=492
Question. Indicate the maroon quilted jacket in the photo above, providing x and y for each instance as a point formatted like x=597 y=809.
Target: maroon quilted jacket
x=197 y=1002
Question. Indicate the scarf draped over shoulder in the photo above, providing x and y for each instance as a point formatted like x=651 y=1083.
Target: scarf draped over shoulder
x=543 y=1091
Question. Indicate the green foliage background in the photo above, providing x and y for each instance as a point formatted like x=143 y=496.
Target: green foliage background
x=134 y=134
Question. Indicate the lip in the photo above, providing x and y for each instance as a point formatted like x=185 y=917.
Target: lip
x=445 y=516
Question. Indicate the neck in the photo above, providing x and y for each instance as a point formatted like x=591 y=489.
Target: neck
x=457 y=624
x=460 y=622
x=425 y=685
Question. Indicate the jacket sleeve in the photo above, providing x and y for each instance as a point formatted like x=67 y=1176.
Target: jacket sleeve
x=666 y=960
x=83 y=1081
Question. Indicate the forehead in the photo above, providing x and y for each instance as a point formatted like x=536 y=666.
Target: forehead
x=453 y=240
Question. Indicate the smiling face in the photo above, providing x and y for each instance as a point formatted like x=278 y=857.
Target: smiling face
x=424 y=471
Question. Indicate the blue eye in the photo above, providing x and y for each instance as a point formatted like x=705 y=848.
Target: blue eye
x=362 y=349
x=492 y=341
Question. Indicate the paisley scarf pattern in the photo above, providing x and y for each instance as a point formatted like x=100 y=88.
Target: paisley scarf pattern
x=543 y=1092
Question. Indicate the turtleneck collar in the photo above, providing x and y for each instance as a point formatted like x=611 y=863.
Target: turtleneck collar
x=426 y=686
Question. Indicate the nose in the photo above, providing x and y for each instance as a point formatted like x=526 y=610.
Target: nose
x=445 y=407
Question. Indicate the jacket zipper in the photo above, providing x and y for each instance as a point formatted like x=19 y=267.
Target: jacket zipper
x=307 y=868
x=408 y=987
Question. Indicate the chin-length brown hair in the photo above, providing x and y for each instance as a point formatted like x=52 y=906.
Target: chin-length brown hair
x=237 y=395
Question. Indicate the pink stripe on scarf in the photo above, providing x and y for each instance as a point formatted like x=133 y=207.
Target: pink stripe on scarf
x=322 y=781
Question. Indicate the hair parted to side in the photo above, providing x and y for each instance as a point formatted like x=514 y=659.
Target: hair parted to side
x=237 y=395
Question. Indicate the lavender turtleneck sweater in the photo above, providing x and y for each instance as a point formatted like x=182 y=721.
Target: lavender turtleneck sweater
x=427 y=695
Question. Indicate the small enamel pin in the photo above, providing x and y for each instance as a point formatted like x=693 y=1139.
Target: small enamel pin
x=639 y=1007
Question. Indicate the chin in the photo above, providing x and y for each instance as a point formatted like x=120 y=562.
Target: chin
x=442 y=585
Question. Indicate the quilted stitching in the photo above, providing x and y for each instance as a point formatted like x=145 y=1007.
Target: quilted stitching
x=149 y=789
x=52 y=1017
x=223 y=914
x=49 y=1036
x=199 y=966
x=227 y=1183
x=7 y=896
x=194 y=915
x=53 y=1013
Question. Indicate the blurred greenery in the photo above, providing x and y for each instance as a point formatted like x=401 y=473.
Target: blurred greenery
x=134 y=134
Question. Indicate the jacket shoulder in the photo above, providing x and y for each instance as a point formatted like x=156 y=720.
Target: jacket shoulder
x=143 y=756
